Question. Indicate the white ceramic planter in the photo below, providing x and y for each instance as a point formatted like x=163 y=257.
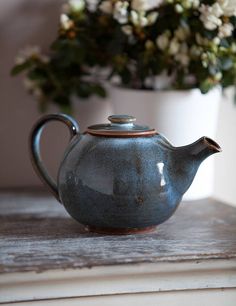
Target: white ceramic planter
x=92 y=111
x=182 y=116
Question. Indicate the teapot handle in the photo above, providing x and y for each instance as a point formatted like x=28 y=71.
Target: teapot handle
x=35 y=147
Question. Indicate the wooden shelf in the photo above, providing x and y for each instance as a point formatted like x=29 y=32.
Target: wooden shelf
x=40 y=243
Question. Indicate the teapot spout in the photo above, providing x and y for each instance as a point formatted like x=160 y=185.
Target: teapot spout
x=188 y=159
x=203 y=148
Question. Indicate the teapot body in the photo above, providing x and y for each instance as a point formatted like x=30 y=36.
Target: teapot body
x=117 y=184
x=120 y=177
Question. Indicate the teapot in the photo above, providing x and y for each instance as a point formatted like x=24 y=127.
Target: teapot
x=120 y=177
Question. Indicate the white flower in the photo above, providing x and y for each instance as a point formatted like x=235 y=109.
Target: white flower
x=233 y=47
x=127 y=29
x=218 y=76
x=183 y=48
x=195 y=51
x=225 y=30
x=149 y=45
x=76 y=5
x=106 y=7
x=29 y=84
x=203 y=41
x=205 y=61
x=182 y=33
x=163 y=81
x=139 y=5
x=162 y=41
x=195 y=3
x=185 y=4
x=179 y=9
x=210 y=16
x=134 y=17
x=37 y=92
x=152 y=17
x=92 y=5
x=145 y=5
x=33 y=88
x=174 y=46
x=138 y=19
x=141 y=19
x=216 y=41
x=44 y=58
x=26 y=53
x=208 y=58
x=155 y=3
x=216 y=10
x=121 y=12
x=228 y=7
x=182 y=56
x=65 y=22
x=190 y=3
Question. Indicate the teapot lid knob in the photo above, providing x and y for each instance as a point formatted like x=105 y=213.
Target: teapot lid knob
x=121 y=119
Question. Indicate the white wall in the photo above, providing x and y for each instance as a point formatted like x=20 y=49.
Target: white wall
x=22 y=23
x=225 y=163
x=25 y=22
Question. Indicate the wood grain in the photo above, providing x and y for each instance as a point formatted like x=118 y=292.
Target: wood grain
x=36 y=234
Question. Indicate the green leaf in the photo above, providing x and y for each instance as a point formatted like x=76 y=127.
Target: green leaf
x=99 y=90
x=37 y=74
x=224 y=43
x=210 y=34
x=205 y=86
x=126 y=76
x=228 y=78
x=84 y=90
x=67 y=109
x=226 y=63
x=20 y=68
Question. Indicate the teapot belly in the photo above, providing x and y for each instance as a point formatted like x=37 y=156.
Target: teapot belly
x=117 y=183
x=102 y=211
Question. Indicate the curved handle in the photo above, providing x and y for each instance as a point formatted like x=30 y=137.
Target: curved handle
x=35 y=147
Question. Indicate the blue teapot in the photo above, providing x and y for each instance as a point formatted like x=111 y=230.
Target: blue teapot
x=120 y=177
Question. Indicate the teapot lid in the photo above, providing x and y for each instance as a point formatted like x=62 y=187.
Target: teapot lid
x=121 y=126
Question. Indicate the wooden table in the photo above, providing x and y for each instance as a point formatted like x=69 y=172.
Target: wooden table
x=46 y=258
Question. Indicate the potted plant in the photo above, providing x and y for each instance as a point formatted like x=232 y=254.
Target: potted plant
x=166 y=60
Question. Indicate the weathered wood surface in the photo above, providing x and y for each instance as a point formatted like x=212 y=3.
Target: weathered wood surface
x=36 y=234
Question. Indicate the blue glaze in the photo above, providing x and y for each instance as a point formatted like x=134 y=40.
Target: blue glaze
x=127 y=182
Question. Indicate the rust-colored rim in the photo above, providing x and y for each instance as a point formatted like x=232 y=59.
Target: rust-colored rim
x=120 y=231
x=121 y=133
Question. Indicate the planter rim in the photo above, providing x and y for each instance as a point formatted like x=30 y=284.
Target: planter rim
x=164 y=91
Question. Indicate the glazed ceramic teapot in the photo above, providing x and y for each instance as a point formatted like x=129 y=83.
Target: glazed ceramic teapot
x=120 y=177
